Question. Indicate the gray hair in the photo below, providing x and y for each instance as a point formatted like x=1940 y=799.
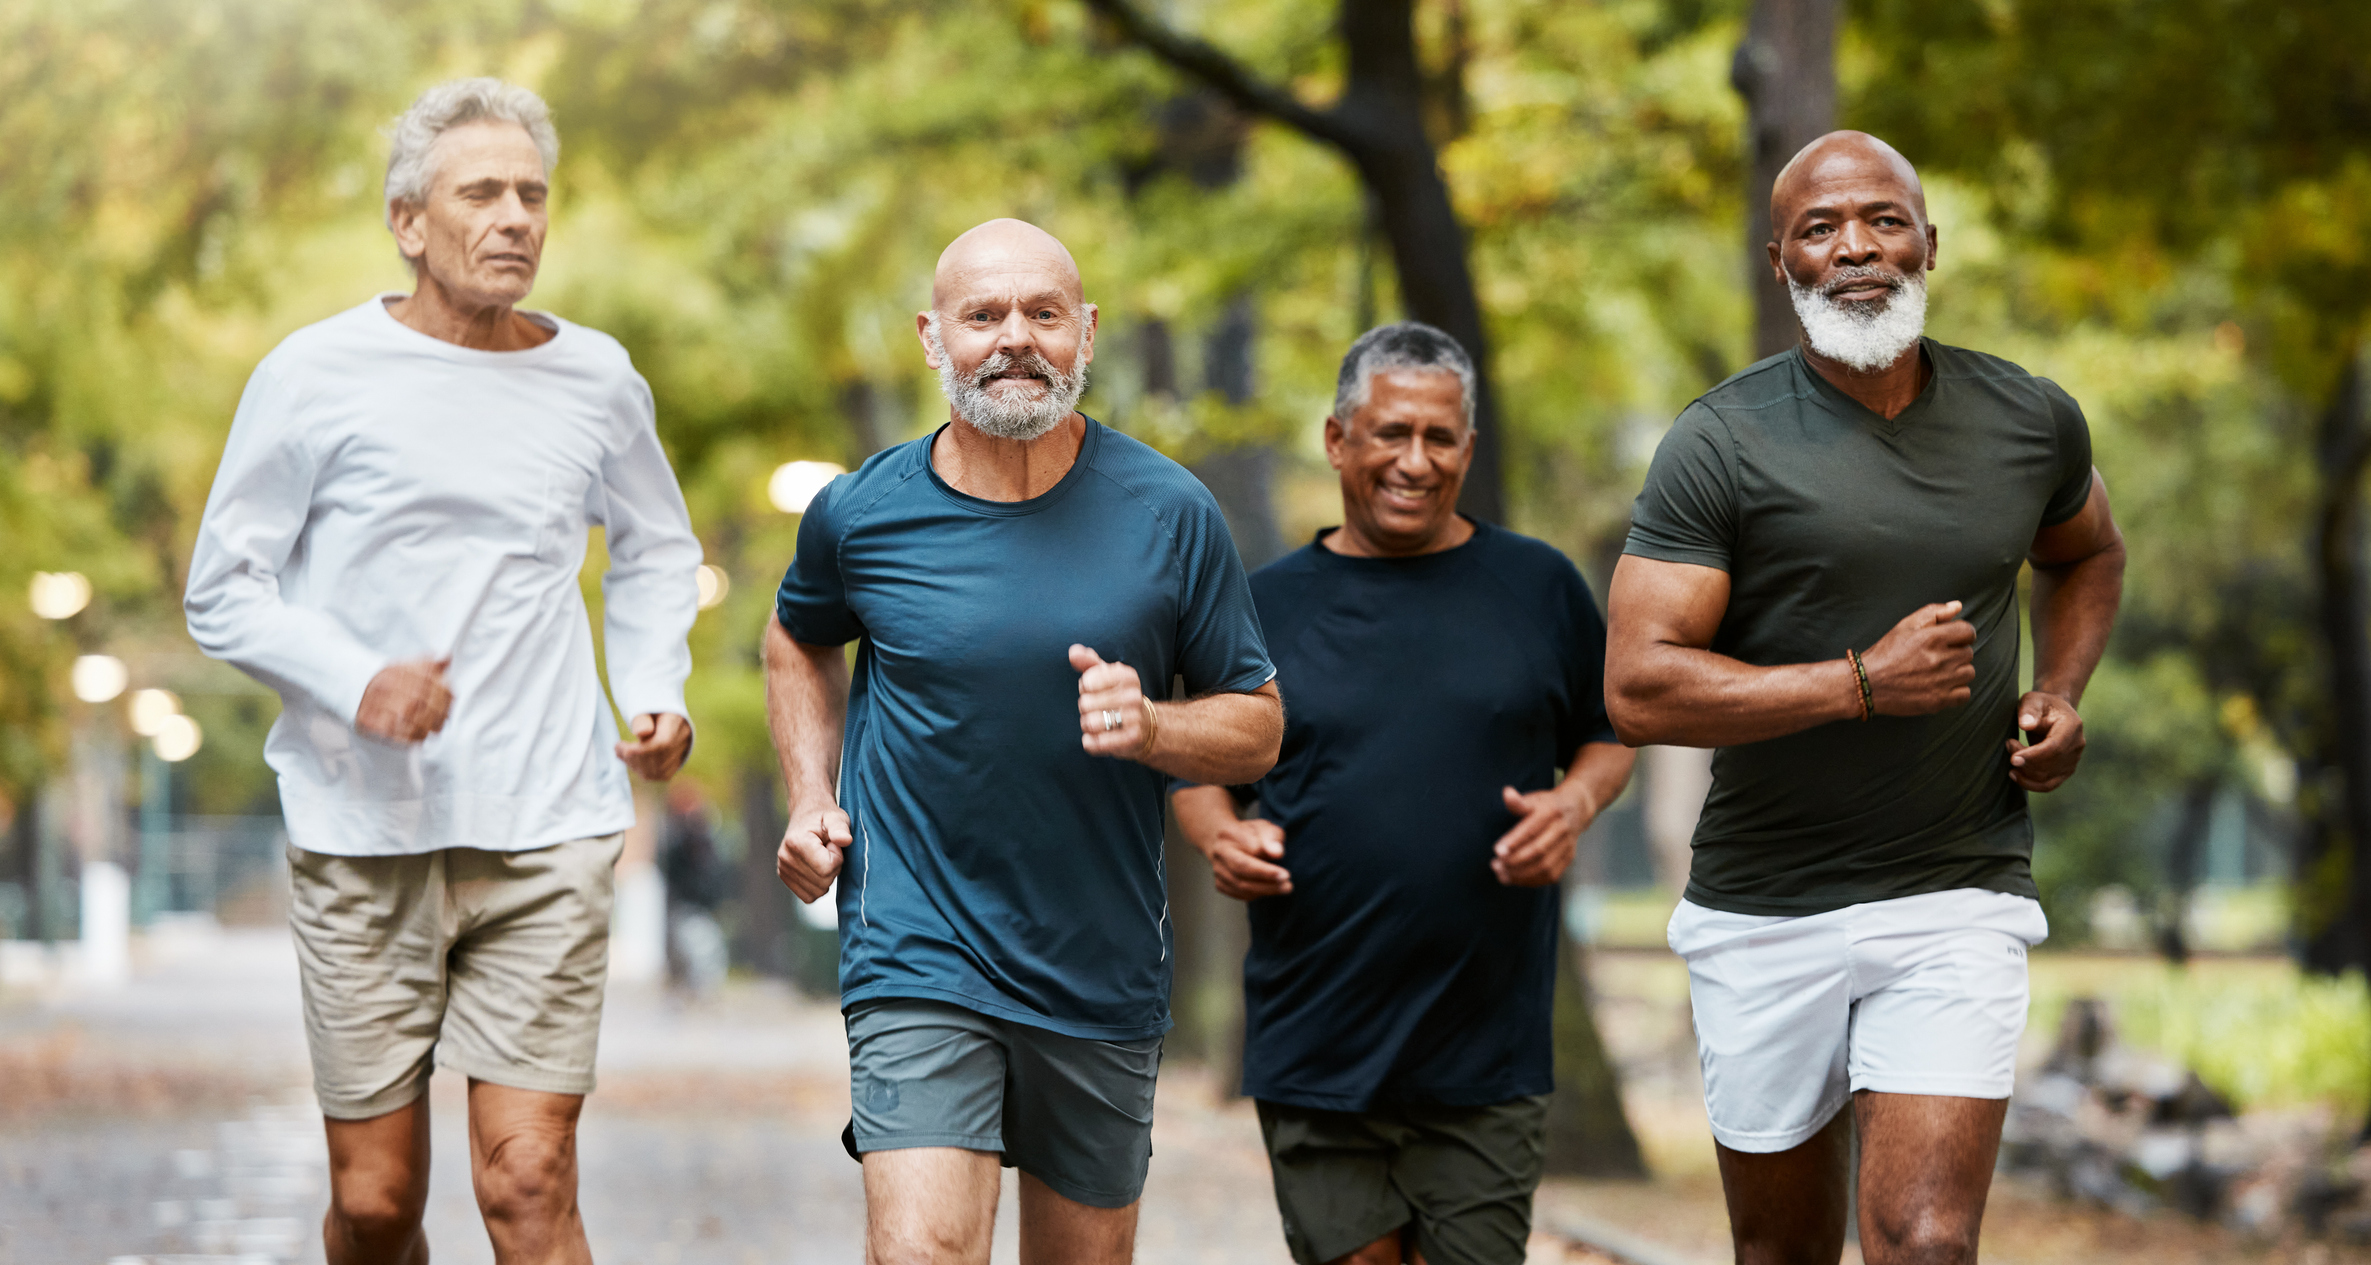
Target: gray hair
x=1405 y=345
x=447 y=106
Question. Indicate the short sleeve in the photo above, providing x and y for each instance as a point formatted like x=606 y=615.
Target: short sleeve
x=1220 y=648
x=812 y=604
x=2072 y=490
x=1584 y=719
x=1687 y=512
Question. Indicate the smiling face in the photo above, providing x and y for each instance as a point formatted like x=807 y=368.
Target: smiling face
x=1403 y=458
x=1009 y=330
x=479 y=231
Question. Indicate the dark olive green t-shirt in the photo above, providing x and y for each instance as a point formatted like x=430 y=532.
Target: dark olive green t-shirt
x=1834 y=523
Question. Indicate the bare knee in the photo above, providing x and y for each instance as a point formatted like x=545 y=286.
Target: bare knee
x=1927 y=1237
x=375 y=1216
x=527 y=1176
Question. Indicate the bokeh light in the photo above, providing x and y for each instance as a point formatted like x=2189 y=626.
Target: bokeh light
x=714 y=584
x=795 y=483
x=151 y=709
x=59 y=594
x=98 y=678
x=177 y=738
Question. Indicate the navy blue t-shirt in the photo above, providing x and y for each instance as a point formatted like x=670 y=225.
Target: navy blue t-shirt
x=996 y=864
x=1399 y=969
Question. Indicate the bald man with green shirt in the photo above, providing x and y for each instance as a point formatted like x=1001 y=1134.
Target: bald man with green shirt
x=1821 y=582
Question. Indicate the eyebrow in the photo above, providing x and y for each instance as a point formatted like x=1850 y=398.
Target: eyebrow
x=1052 y=297
x=497 y=182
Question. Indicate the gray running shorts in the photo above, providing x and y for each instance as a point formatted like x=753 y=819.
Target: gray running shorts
x=1459 y=1178
x=1073 y=1112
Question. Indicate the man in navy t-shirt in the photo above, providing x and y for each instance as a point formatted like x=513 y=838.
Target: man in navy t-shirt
x=987 y=793
x=1402 y=865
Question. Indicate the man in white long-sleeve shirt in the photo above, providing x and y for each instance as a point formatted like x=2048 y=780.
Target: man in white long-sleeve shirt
x=393 y=543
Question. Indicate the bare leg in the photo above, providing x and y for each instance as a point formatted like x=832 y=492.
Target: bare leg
x=931 y=1205
x=1926 y=1167
x=522 y=1159
x=378 y=1188
x=1392 y=1249
x=1059 y=1231
x=1787 y=1207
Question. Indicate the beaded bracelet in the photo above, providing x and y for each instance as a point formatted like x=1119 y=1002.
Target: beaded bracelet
x=1861 y=674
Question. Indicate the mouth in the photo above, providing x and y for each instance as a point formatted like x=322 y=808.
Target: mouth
x=1862 y=289
x=510 y=258
x=1402 y=498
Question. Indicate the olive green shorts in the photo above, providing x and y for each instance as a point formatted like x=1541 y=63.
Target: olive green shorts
x=1459 y=1178
x=490 y=963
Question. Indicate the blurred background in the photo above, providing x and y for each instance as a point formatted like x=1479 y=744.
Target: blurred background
x=2165 y=205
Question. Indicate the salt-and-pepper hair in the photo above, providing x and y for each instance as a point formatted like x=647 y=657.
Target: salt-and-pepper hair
x=1405 y=345
x=446 y=106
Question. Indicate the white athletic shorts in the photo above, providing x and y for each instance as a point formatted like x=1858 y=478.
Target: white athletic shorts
x=1919 y=995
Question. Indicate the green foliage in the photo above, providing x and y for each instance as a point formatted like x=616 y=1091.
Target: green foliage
x=2262 y=1034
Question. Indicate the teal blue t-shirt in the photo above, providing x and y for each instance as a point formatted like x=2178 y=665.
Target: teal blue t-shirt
x=996 y=864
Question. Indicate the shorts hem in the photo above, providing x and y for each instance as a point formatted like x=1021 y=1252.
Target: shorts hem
x=1937 y=1086
x=988 y=1142
x=1320 y=1253
x=578 y=1083
x=1078 y=1194
x=1772 y=1142
x=372 y=1106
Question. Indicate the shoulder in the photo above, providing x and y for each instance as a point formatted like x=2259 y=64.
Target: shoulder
x=1526 y=563
x=1167 y=490
x=327 y=346
x=1767 y=383
x=2002 y=378
x=849 y=497
x=1289 y=574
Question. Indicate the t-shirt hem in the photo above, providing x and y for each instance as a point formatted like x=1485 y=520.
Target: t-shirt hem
x=975 y=1003
x=1670 y=553
x=1805 y=905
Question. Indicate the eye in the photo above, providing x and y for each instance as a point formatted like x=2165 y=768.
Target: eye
x=1817 y=230
x=1045 y=314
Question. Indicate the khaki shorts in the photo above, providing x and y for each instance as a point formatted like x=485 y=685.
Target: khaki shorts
x=490 y=963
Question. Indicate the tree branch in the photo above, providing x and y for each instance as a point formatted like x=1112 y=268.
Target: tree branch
x=1229 y=77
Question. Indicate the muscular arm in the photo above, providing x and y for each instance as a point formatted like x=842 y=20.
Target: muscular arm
x=806 y=709
x=2078 y=581
x=1662 y=684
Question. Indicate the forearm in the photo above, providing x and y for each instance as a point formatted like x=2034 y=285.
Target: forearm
x=806 y=709
x=1219 y=739
x=1203 y=811
x=2074 y=610
x=1683 y=697
x=1598 y=775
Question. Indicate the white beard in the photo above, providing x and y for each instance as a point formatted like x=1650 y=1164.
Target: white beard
x=1868 y=335
x=1013 y=416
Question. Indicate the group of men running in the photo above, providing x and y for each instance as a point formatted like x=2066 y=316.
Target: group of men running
x=1387 y=744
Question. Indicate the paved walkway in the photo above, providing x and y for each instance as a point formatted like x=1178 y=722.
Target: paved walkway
x=169 y=1121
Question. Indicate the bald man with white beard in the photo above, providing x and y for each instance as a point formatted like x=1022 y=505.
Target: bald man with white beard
x=1821 y=581
x=986 y=793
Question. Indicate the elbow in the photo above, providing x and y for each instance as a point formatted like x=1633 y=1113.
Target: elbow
x=1634 y=720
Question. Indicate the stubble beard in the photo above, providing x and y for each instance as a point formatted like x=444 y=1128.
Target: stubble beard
x=1867 y=335
x=1013 y=416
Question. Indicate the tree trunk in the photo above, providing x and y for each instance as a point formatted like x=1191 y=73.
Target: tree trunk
x=763 y=932
x=1786 y=71
x=1379 y=126
x=1589 y=1134
x=2343 y=448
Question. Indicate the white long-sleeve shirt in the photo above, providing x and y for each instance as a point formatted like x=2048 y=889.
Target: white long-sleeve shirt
x=386 y=496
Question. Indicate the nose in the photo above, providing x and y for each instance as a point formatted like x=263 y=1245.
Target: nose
x=1014 y=335
x=1412 y=460
x=1855 y=244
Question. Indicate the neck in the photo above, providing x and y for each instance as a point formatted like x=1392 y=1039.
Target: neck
x=442 y=312
x=979 y=464
x=1354 y=540
x=1885 y=392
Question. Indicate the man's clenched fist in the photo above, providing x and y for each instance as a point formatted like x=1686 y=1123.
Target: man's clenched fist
x=406 y=701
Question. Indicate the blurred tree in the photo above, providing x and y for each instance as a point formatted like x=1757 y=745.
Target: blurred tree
x=1785 y=69
x=2206 y=131
x=1380 y=125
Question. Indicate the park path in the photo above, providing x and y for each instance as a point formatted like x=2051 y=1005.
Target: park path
x=168 y=1121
